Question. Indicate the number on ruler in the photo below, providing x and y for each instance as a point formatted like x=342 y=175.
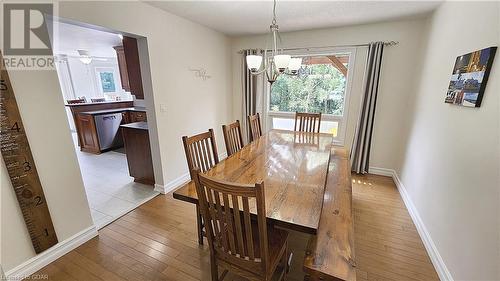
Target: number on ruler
x=38 y=200
x=15 y=127
x=27 y=166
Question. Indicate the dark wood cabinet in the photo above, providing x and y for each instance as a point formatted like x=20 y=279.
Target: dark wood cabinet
x=88 y=133
x=138 y=150
x=125 y=117
x=137 y=116
x=130 y=68
x=122 y=65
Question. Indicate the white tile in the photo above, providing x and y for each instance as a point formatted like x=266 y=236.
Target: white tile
x=114 y=207
x=96 y=215
x=102 y=222
x=110 y=189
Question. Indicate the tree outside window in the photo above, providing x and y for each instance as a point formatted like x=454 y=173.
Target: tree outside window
x=319 y=87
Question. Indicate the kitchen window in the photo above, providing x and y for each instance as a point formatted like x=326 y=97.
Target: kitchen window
x=322 y=85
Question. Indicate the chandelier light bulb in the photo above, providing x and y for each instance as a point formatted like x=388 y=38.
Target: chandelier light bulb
x=294 y=65
x=282 y=62
x=254 y=62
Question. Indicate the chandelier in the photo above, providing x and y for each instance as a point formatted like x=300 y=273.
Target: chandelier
x=275 y=61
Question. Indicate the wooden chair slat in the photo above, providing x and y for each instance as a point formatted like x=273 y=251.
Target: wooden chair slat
x=248 y=229
x=237 y=222
x=221 y=219
x=229 y=219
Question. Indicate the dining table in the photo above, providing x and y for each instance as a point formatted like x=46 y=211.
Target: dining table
x=293 y=167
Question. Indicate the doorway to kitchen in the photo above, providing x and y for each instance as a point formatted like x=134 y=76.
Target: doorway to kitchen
x=100 y=77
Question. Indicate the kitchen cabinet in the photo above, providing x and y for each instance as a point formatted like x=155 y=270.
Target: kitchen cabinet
x=130 y=68
x=138 y=150
x=88 y=134
x=97 y=129
x=137 y=116
x=122 y=65
x=84 y=107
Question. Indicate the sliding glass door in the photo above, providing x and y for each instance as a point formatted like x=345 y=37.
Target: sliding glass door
x=322 y=85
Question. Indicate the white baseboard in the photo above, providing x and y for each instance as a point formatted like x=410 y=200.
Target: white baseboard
x=39 y=261
x=381 y=171
x=177 y=182
x=432 y=251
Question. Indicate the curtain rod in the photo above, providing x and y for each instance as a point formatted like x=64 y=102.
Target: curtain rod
x=387 y=43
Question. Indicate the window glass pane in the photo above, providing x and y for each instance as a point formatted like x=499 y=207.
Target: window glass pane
x=330 y=127
x=283 y=123
x=319 y=86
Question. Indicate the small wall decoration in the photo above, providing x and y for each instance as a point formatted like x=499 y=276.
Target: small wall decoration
x=107 y=82
x=469 y=78
x=200 y=73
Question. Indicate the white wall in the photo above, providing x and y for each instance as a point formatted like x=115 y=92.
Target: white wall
x=42 y=109
x=85 y=79
x=397 y=76
x=191 y=106
x=450 y=165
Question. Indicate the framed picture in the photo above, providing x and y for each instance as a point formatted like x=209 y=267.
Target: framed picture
x=106 y=80
x=469 y=78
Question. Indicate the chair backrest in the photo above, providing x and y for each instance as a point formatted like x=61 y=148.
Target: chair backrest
x=307 y=122
x=226 y=210
x=255 y=130
x=232 y=137
x=201 y=151
x=98 y=100
x=75 y=101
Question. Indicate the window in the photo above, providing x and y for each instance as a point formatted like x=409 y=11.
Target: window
x=322 y=85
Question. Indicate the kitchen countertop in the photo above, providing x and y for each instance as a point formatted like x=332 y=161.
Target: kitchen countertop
x=114 y=110
x=94 y=103
x=136 y=125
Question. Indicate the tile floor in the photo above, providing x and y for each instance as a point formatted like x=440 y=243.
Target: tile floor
x=111 y=192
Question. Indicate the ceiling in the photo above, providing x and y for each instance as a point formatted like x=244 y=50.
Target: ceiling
x=72 y=38
x=254 y=17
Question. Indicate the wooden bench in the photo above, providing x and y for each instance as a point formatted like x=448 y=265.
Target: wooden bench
x=330 y=253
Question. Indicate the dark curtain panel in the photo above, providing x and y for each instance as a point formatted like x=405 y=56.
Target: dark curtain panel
x=360 y=150
x=249 y=83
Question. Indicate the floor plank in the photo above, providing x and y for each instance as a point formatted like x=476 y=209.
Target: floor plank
x=158 y=241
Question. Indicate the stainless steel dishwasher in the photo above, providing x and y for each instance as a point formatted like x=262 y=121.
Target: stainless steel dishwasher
x=108 y=130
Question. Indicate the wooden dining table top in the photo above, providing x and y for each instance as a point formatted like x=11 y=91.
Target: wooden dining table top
x=293 y=167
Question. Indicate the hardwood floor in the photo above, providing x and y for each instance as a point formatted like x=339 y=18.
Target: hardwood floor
x=158 y=241
x=387 y=244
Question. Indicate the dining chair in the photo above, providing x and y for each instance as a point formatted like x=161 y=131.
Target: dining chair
x=75 y=101
x=255 y=130
x=238 y=244
x=201 y=153
x=307 y=122
x=232 y=137
x=98 y=100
